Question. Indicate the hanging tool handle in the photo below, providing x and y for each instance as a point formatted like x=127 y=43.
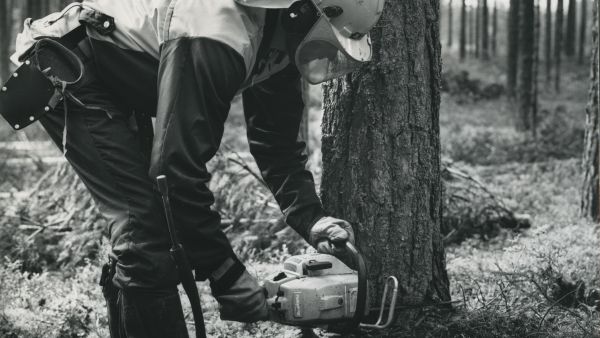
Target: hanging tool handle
x=186 y=276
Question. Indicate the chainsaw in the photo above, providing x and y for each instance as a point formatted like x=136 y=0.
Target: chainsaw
x=319 y=290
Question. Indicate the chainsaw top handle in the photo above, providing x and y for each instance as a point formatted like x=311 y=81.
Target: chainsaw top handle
x=361 y=298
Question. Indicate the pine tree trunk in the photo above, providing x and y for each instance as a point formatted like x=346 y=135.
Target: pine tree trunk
x=536 y=67
x=558 y=43
x=582 y=31
x=589 y=197
x=526 y=56
x=6 y=21
x=450 y=23
x=463 y=31
x=477 y=28
x=513 y=47
x=485 y=36
x=471 y=31
x=570 y=33
x=495 y=29
x=548 y=41
x=381 y=153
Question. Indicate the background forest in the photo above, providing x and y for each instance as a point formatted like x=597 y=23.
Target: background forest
x=519 y=147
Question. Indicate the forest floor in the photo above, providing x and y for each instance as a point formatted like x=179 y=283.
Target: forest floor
x=531 y=283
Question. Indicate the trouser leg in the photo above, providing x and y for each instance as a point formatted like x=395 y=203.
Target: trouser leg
x=107 y=155
x=198 y=79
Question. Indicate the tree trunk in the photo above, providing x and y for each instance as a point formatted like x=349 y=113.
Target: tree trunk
x=582 y=31
x=526 y=56
x=471 y=31
x=477 y=28
x=304 y=132
x=513 y=47
x=494 y=28
x=485 y=52
x=381 y=153
x=536 y=67
x=589 y=196
x=6 y=21
x=548 y=41
x=450 y=24
x=570 y=33
x=558 y=42
x=463 y=31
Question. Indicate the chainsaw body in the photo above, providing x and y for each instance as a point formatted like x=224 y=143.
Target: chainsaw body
x=312 y=290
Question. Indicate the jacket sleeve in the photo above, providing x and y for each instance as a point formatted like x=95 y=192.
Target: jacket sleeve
x=273 y=111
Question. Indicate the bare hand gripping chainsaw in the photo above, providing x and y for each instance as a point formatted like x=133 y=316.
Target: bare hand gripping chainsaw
x=316 y=290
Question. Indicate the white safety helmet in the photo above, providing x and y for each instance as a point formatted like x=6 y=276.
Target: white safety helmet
x=338 y=40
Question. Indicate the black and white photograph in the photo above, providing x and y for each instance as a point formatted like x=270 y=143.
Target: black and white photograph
x=299 y=168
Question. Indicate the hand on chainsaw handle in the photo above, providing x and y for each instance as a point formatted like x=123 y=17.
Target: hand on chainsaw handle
x=329 y=235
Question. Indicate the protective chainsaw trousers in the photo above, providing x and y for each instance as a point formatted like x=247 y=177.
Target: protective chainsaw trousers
x=107 y=150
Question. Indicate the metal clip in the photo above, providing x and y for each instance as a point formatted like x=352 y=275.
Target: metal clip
x=390 y=317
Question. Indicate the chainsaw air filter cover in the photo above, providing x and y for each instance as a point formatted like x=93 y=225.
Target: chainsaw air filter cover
x=313 y=290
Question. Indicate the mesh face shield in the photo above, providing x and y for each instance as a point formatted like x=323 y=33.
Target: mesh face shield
x=325 y=53
x=328 y=38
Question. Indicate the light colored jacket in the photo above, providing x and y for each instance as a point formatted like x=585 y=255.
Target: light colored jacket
x=143 y=25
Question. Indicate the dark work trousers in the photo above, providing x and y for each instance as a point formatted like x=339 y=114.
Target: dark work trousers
x=199 y=78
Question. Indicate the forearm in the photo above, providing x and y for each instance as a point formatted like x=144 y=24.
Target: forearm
x=273 y=113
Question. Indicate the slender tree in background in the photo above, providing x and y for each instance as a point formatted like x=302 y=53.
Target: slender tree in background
x=589 y=198
x=526 y=58
x=485 y=36
x=513 y=47
x=381 y=153
x=570 y=31
x=471 y=31
x=548 y=40
x=582 y=31
x=494 y=40
x=463 y=30
x=6 y=21
x=558 y=43
x=536 y=67
x=450 y=23
x=477 y=28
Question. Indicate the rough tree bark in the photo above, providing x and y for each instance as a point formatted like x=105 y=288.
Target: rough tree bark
x=381 y=153
x=589 y=196
x=494 y=40
x=463 y=31
x=582 y=31
x=570 y=31
x=548 y=40
x=526 y=58
x=477 y=29
x=513 y=47
x=485 y=36
x=558 y=43
x=450 y=23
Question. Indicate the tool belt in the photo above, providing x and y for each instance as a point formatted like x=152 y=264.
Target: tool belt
x=50 y=68
x=40 y=83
